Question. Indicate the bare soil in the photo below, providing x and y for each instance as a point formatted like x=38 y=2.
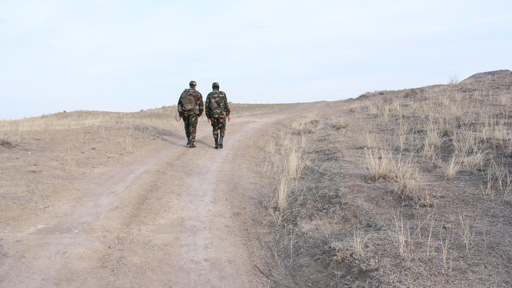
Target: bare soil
x=114 y=206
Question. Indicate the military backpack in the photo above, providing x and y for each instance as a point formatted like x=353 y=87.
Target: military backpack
x=188 y=100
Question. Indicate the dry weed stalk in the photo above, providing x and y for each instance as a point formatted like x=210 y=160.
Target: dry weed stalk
x=283 y=194
x=294 y=164
x=476 y=160
x=489 y=190
x=284 y=164
x=430 y=237
x=406 y=174
x=359 y=241
x=498 y=180
x=433 y=142
x=444 y=245
x=507 y=187
x=379 y=164
x=466 y=233
x=401 y=235
x=453 y=166
x=402 y=133
x=371 y=140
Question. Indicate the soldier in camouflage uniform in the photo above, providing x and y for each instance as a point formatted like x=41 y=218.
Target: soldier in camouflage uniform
x=190 y=108
x=217 y=110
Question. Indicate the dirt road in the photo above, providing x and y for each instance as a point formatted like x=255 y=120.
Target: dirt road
x=166 y=218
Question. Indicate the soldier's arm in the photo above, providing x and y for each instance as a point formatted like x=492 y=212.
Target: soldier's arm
x=228 y=112
x=200 y=104
x=179 y=100
x=206 y=105
x=180 y=105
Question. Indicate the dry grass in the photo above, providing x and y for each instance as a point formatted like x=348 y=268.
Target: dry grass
x=285 y=163
x=238 y=110
x=81 y=119
x=379 y=164
x=433 y=142
x=161 y=117
x=412 y=190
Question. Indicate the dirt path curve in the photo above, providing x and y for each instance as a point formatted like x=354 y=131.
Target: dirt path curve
x=166 y=218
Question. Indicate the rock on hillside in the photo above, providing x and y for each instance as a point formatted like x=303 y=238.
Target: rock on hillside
x=483 y=75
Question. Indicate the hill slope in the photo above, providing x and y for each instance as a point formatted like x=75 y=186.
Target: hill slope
x=408 y=188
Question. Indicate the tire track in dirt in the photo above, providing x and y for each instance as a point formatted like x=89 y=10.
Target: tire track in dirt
x=164 y=219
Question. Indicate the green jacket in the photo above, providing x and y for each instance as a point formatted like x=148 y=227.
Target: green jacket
x=217 y=105
x=198 y=107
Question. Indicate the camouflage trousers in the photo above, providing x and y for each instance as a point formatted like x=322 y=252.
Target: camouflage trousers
x=218 y=124
x=190 y=121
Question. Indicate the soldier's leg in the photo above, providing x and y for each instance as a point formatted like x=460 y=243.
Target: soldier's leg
x=186 y=122
x=193 y=129
x=222 y=126
x=215 y=131
x=222 y=129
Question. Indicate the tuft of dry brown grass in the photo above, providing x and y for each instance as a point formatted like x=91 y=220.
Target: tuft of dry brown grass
x=379 y=164
x=285 y=163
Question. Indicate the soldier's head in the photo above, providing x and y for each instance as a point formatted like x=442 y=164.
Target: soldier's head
x=192 y=84
x=215 y=86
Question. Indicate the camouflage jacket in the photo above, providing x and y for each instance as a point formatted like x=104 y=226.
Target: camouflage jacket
x=216 y=105
x=199 y=105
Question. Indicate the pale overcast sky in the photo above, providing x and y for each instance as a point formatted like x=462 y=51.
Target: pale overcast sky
x=126 y=55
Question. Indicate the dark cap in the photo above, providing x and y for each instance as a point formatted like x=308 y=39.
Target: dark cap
x=192 y=83
x=215 y=84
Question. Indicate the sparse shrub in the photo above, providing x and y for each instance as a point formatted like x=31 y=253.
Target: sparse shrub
x=407 y=177
x=498 y=181
x=453 y=166
x=475 y=161
x=284 y=164
x=411 y=93
x=379 y=164
x=295 y=164
x=401 y=235
x=433 y=142
x=6 y=143
x=402 y=133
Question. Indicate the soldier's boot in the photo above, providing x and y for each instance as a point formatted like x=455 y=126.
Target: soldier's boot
x=188 y=141
x=192 y=144
x=216 y=143
x=221 y=145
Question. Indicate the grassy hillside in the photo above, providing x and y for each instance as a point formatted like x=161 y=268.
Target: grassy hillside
x=407 y=188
